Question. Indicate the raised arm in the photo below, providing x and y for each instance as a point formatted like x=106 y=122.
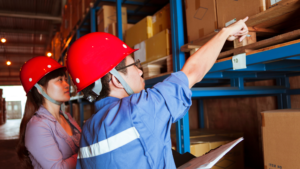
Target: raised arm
x=201 y=61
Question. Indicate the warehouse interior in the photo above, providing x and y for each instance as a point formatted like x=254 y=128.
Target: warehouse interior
x=252 y=90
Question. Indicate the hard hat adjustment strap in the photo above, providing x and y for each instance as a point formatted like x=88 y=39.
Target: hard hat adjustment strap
x=98 y=87
x=96 y=90
x=46 y=96
x=122 y=81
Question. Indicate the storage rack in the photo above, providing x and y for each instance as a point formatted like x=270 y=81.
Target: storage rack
x=278 y=63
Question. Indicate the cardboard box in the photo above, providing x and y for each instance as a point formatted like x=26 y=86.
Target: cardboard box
x=201 y=18
x=280 y=130
x=108 y=15
x=158 y=46
x=112 y=29
x=154 y=48
x=161 y=20
x=227 y=10
x=140 y=32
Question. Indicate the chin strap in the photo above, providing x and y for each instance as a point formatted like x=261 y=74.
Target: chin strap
x=50 y=99
x=46 y=96
x=98 y=85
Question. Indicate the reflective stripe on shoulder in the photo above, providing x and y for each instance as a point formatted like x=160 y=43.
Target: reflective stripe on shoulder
x=109 y=144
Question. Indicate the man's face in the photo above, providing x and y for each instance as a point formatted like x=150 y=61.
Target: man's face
x=134 y=76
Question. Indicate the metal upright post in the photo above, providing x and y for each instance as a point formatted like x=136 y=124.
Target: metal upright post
x=81 y=111
x=119 y=19
x=70 y=102
x=283 y=100
x=201 y=114
x=93 y=19
x=78 y=35
x=182 y=126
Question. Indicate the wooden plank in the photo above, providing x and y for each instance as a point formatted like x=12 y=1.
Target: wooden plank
x=162 y=74
x=264 y=43
x=277 y=11
x=263 y=30
x=262 y=50
x=199 y=42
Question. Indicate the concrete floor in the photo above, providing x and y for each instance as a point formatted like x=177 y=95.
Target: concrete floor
x=9 y=135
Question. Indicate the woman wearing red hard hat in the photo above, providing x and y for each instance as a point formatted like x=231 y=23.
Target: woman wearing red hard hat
x=131 y=127
x=48 y=137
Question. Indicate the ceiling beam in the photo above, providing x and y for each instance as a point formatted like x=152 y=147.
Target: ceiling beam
x=11 y=54
x=23 y=31
x=9 y=83
x=9 y=79
x=12 y=44
x=30 y=16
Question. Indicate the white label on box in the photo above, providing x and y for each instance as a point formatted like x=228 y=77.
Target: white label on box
x=239 y=61
x=230 y=22
x=274 y=2
x=141 y=53
x=154 y=19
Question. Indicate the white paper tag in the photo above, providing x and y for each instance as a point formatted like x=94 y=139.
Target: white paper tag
x=239 y=61
x=230 y=22
x=141 y=53
x=274 y=2
x=154 y=19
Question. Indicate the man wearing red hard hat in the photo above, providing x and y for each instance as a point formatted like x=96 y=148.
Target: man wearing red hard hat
x=131 y=127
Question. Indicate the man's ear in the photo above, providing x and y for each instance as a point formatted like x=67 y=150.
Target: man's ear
x=116 y=82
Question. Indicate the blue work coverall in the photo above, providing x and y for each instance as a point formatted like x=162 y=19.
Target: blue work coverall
x=134 y=132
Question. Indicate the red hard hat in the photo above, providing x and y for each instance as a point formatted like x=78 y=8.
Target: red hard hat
x=92 y=56
x=36 y=68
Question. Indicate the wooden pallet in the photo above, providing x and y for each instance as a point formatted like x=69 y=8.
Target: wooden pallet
x=273 y=26
x=157 y=67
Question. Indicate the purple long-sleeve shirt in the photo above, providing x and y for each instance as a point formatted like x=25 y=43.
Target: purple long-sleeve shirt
x=48 y=143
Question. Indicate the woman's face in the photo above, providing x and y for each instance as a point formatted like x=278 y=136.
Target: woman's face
x=58 y=89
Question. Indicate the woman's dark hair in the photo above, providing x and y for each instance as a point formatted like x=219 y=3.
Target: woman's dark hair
x=105 y=83
x=33 y=102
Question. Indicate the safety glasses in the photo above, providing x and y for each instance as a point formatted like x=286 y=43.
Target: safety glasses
x=137 y=63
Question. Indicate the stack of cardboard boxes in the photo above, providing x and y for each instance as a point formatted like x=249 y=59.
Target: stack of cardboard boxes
x=153 y=39
x=203 y=17
x=152 y=36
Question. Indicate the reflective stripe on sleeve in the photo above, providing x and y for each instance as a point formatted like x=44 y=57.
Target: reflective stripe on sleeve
x=109 y=144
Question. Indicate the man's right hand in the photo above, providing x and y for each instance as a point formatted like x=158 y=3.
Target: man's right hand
x=238 y=30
